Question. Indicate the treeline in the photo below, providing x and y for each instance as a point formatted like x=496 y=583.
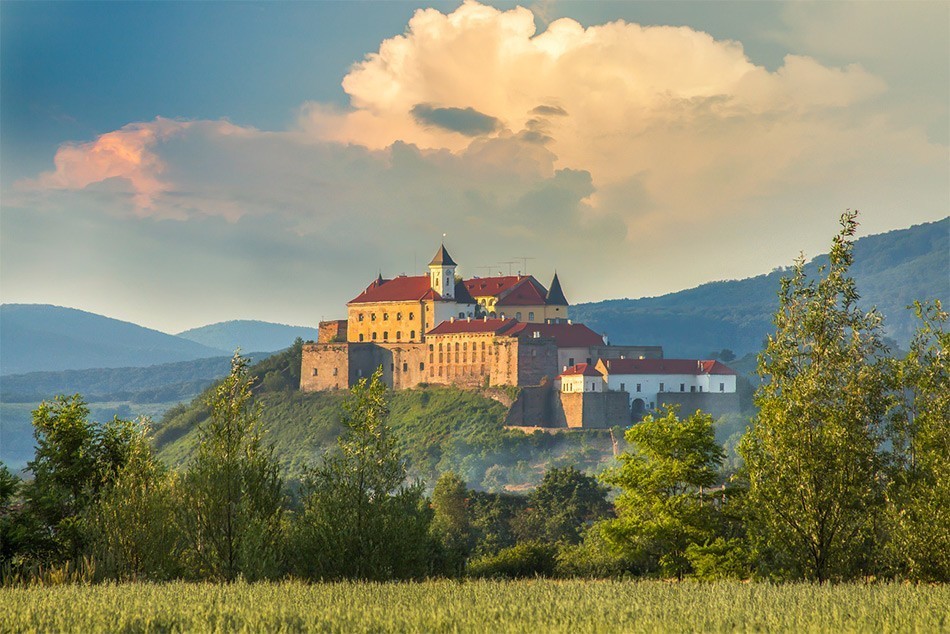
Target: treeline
x=845 y=474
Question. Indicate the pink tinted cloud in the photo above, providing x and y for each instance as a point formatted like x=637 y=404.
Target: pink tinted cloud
x=126 y=153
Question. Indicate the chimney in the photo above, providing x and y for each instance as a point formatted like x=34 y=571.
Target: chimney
x=469 y=319
x=569 y=322
x=485 y=319
x=452 y=319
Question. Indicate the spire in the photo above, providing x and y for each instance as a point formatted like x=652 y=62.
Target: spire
x=555 y=294
x=442 y=258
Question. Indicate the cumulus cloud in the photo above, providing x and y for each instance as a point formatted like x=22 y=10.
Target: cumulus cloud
x=613 y=145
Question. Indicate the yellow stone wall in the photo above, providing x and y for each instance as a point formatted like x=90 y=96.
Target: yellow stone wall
x=390 y=322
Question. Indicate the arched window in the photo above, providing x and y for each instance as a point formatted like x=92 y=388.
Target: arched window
x=385 y=335
x=385 y=316
x=398 y=335
x=398 y=316
x=530 y=316
x=374 y=336
x=361 y=337
x=372 y=317
x=412 y=334
x=412 y=316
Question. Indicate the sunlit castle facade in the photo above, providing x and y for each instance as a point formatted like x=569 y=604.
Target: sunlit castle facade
x=441 y=328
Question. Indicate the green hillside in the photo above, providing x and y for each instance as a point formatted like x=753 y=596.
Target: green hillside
x=439 y=428
x=891 y=270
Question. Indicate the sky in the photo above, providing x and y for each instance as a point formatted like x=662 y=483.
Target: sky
x=177 y=164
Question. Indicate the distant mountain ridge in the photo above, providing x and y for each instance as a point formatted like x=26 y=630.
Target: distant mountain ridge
x=891 y=270
x=41 y=337
x=248 y=334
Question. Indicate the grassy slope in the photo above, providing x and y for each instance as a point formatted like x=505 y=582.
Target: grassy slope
x=439 y=428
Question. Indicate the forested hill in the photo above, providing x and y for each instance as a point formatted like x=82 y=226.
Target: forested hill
x=38 y=337
x=248 y=335
x=891 y=271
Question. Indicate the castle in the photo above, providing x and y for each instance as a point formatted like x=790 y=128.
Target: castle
x=481 y=332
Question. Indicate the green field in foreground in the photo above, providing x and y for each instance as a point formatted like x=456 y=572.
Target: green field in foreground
x=477 y=606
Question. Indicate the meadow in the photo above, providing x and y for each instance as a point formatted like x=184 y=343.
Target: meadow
x=477 y=606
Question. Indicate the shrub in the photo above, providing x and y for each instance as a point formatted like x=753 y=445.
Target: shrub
x=527 y=559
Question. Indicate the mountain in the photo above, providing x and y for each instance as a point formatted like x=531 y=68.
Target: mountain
x=152 y=384
x=248 y=335
x=891 y=270
x=38 y=337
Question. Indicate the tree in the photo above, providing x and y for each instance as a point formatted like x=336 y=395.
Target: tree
x=812 y=452
x=360 y=519
x=131 y=537
x=562 y=506
x=234 y=510
x=663 y=508
x=919 y=499
x=75 y=459
x=451 y=526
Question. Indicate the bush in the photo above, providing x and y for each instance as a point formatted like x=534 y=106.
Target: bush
x=721 y=559
x=527 y=559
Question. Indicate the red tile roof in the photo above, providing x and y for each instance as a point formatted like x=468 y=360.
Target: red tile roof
x=399 y=289
x=666 y=366
x=406 y=289
x=473 y=326
x=583 y=369
x=566 y=335
x=509 y=290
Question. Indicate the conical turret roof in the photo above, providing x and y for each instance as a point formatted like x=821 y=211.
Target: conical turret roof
x=442 y=258
x=555 y=294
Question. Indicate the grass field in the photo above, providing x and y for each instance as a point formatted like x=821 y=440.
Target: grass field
x=477 y=606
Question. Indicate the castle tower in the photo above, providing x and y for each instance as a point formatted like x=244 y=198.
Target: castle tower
x=442 y=274
x=555 y=294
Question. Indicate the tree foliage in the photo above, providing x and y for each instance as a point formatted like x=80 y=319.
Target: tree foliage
x=234 y=508
x=812 y=452
x=360 y=519
x=662 y=508
x=562 y=506
x=919 y=499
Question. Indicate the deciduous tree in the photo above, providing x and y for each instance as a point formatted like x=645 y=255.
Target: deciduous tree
x=813 y=450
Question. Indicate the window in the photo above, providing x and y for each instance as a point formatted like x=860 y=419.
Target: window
x=372 y=317
x=314 y=372
x=462 y=315
x=518 y=315
x=722 y=387
x=398 y=335
x=405 y=366
x=570 y=361
x=431 y=347
x=456 y=346
x=638 y=387
x=398 y=316
x=440 y=346
x=412 y=334
x=464 y=345
x=422 y=366
x=588 y=360
x=483 y=345
x=374 y=336
x=411 y=316
x=623 y=387
x=661 y=387
x=361 y=337
x=530 y=316
x=682 y=387
x=336 y=371
x=692 y=388
x=431 y=357
x=385 y=335
x=700 y=388
x=359 y=317
x=385 y=316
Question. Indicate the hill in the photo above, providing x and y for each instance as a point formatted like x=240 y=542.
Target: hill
x=151 y=384
x=891 y=271
x=439 y=428
x=38 y=337
x=248 y=334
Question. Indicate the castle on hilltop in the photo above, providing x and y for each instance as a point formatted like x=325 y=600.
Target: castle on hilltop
x=479 y=332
